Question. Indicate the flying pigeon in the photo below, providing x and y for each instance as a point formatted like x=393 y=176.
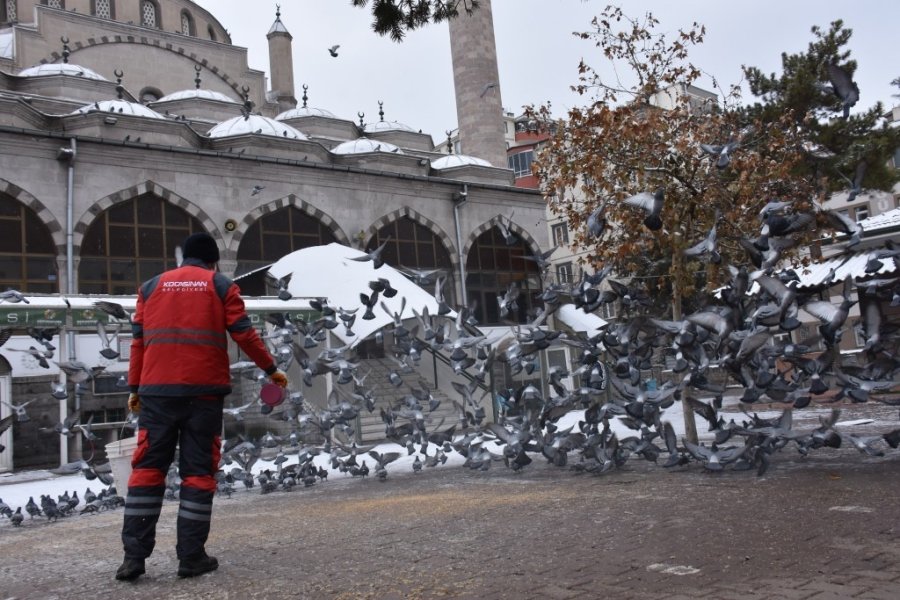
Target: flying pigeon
x=651 y=204
x=333 y=51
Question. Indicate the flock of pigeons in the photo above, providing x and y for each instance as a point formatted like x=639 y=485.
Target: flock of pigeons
x=737 y=334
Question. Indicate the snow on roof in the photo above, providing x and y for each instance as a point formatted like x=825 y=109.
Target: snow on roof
x=60 y=69
x=363 y=145
x=7 y=44
x=884 y=220
x=304 y=111
x=345 y=281
x=278 y=27
x=119 y=107
x=255 y=124
x=458 y=160
x=853 y=265
x=201 y=94
x=387 y=126
x=578 y=320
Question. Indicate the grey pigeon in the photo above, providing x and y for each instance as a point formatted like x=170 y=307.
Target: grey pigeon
x=651 y=204
x=843 y=86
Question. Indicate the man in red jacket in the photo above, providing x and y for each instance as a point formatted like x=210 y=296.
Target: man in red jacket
x=179 y=376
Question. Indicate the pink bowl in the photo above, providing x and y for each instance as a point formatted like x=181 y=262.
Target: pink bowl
x=271 y=394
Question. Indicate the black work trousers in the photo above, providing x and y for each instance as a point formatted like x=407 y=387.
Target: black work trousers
x=194 y=424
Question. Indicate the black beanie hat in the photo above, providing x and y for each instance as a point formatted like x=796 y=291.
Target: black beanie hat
x=201 y=246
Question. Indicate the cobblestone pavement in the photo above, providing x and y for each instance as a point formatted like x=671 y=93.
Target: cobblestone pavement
x=820 y=528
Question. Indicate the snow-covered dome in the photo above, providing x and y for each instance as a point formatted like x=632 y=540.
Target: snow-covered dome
x=304 y=111
x=61 y=69
x=458 y=160
x=255 y=124
x=119 y=107
x=363 y=145
x=387 y=126
x=201 y=94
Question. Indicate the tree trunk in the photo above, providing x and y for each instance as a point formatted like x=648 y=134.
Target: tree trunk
x=690 y=422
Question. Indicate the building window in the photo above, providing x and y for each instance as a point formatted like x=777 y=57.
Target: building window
x=9 y=11
x=130 y=243
x=862 y=213
x=564 y=273
x=560 y=233
x=521 y=163
x=150 y=14
x=491 y=266
x=27 y=251
x=896 y=152
x=212 y=33
x=413 y=246
x=608 y=310
x=54 y=3
x=187 y=23
x=103 y=9
x=275 y=235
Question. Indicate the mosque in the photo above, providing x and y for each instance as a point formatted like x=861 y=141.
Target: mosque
x=126 y=125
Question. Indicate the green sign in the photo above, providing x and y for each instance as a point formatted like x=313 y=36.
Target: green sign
x=88 y=317
x=32 y=317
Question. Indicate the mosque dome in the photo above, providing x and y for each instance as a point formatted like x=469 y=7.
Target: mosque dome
x=255 y=124
x=363 y=145
x=61 y=69
x=201 y=94
x=387 y=126
x=305 y=111
x=458 y=160
x=119 y=107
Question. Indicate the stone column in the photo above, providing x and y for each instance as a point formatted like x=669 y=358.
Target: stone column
x=479 y=108
x=281 y=64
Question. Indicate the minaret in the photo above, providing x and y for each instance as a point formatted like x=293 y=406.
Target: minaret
x=281 y=63
x=479 y=109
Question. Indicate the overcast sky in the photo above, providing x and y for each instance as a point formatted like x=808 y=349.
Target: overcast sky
x=538 y=55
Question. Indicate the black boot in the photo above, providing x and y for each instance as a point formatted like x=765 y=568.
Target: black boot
x=130 y=569
x=197 y=565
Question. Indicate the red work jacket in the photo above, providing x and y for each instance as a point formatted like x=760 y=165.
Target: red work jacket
x=180 y=346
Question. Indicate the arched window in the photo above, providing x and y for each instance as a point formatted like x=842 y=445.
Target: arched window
x=130 y=243
x=187 y=23
x=277 y=234
x=8 y=12
x=212 y=33
x=27 y=251
x=105 y=9
x=415 y=248
x=490 y=267
x=150 y=14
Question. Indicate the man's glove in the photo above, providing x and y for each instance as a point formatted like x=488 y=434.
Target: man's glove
x=279 y=378
x=134 y=403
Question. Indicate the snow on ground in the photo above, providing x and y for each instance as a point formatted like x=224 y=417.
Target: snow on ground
x=16 y=488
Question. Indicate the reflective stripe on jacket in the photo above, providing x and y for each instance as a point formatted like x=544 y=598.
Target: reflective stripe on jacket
x=180 y=346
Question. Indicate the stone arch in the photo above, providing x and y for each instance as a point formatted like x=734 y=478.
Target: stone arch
x=75 y=46
x=519 y=231
x=422 y=220
x=42 y=212
x=290 y=200
x=148 y=187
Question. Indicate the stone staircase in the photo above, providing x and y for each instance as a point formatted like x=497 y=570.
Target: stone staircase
x=370 y=427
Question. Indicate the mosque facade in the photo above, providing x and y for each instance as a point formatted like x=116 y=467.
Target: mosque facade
x=125 y=126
